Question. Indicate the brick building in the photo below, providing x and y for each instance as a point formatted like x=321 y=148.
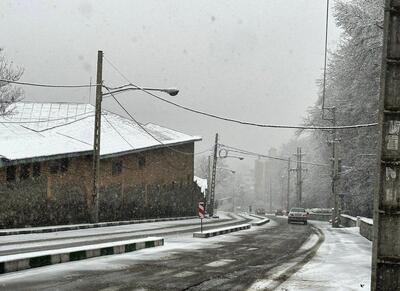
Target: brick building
x=46 y=167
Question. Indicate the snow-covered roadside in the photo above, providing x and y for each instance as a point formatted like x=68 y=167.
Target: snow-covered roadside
x=172 y=245
x=343 y=262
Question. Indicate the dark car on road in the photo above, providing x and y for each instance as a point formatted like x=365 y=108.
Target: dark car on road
x=298 y=214
x=279 y=212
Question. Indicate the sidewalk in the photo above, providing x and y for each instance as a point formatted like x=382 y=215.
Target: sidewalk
x=343 y=262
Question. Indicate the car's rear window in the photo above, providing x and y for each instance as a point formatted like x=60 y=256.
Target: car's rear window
x=297 y=210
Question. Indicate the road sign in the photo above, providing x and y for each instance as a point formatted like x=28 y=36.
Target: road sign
x=201 y=210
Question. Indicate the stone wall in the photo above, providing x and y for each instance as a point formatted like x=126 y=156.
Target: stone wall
x=366 y=228
x=319 y=216
x=365 y=224
x=348 y=221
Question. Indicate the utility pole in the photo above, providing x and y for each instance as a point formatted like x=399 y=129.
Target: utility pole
x=386 y=246
x=214 y=172
x=94 y=207
x=335 y=142
x=288 y=186
x=299 y=180
x=208 y=183
x=270 y=194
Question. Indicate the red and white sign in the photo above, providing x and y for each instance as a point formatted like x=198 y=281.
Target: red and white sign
x=201 y=210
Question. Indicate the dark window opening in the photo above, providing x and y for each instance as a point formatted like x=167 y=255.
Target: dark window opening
x=64 y=163
x=11 y=173
x=54 y=167
x=141 y=162
x=24 y=171
x=116 y=168
x=36 y=169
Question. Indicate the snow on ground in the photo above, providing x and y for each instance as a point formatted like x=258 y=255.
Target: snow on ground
x=107 y=230
x=343 y=262
x=173 y=245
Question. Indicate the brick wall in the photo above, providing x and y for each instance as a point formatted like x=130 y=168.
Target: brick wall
x=151 y=183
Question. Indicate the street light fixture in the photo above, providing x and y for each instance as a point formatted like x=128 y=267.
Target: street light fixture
x=170 y=91
x=226 y=169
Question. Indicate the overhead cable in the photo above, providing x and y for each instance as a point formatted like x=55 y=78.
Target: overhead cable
x=47 y=85
x=240 y=121
x=148 y=132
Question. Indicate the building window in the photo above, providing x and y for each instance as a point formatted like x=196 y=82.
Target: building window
x=64 y=163
x=24 y=171
x=116 y=168
x=36 y=169
x=59 y=166
x=141 y=162
x=54 y=166
x=11 y=173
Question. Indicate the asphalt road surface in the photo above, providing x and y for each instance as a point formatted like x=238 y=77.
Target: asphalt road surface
x=231 y=264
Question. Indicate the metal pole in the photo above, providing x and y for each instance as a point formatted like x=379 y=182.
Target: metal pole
x=288 y=187
x=386 y=246
x=207 y=204
x=300 y=172
x=270 y=195
x=96 y=145
x=213 y=176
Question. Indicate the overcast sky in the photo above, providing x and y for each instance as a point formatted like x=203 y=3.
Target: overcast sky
x=251 y=60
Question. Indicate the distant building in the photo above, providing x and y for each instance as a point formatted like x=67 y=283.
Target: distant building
x=259 y=182
x=46 y=167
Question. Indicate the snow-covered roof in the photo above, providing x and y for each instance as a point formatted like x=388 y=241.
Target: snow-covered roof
x=48 y=129
x=202 y=183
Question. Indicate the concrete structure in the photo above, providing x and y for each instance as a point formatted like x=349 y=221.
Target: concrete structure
x=46 y=167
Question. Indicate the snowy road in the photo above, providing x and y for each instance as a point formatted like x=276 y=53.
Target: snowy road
x=229 y=262
x=14 y=244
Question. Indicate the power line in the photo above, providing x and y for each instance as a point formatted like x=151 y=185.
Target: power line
x=47 y=85
x=146 y=131
x=58 y=125
x=46 y=120
x=116 y=130
x=238 y=150
x=236 y=120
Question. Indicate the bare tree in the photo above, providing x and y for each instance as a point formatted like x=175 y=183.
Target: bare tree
x=9 y=93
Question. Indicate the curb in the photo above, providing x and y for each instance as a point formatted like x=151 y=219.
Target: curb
x=260 y=222
x=13 y=263
x=215 y=232
x=86 y=226
x=257 y=216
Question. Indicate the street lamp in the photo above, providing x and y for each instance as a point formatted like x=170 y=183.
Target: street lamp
x=223 y=154
x=94 y=203
x=117 y=90
x=226 y=169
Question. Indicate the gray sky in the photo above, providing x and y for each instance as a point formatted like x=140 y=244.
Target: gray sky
x=251 y=60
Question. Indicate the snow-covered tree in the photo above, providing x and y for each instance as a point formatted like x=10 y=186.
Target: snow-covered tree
x=9 y=93
x=352 y=87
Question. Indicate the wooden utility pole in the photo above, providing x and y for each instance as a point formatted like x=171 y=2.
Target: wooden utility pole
x=94 y=207
x=213 y=176
x=386 y=243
